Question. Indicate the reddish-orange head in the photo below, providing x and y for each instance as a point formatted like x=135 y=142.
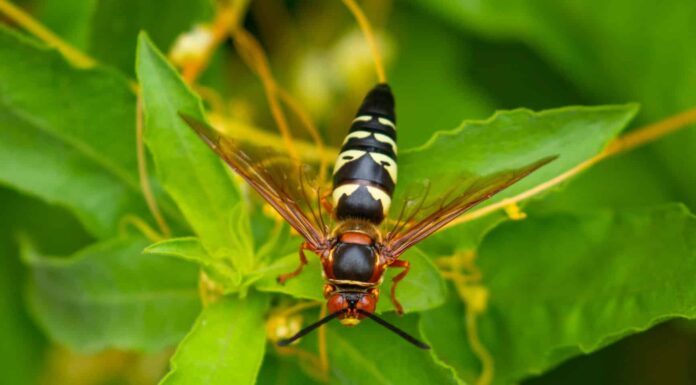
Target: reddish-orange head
x=350 y=301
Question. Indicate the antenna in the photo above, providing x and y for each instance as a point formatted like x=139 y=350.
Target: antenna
x=310 y=328
x=373 y=317
x=395 y=329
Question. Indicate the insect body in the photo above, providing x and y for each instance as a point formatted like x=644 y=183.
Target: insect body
x=357 y=249
x=364 y=180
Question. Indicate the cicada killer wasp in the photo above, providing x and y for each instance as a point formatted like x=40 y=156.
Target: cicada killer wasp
x=349 y=233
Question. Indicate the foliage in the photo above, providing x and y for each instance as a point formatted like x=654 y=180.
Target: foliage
x=610 y=254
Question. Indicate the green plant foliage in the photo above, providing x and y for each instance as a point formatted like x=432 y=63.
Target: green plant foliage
x=49 y=147
x=608 y=51
x=104 y=296
x=607 y=255
x=365 y=355
x=225 y=346
x=513 y=138
x=587 y=279
x=22 y=347
x=189 y=171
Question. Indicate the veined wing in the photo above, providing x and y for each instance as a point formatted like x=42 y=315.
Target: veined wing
x=421 y=217
x=280 y=180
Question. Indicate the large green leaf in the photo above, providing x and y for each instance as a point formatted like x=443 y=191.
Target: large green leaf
x=225 y=346
x=67 y=135
x=511 y=139
x=279 y=370
x=370 y=354
x=111 y=295
x=567 y=284
x=188 y=169
x=609 y=53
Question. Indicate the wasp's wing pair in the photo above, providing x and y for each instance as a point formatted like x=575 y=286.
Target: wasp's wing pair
x=286 y=185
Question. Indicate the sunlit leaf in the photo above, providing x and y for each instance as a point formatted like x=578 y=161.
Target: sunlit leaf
x=225 y=346
x=510 y=139
x=569 y=284
x=189 y=171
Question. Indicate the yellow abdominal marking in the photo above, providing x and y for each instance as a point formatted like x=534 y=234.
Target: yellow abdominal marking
x=386 y=162
x=357 y=135
x=346 y=189
x=379 y=195
x=347 y=156
x=385 y=139
x=362 y=118
x=386 y=122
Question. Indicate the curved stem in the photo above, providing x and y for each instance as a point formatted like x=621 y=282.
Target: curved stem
x=30 y=24
x=369 y=36
x=142 y=170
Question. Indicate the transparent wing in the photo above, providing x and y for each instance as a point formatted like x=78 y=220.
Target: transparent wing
x=283 y=183
x=421 y=215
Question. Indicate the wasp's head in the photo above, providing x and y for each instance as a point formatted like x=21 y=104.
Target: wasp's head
x=352 y=302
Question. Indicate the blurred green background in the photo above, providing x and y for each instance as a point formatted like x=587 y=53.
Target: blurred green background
x=448 y=61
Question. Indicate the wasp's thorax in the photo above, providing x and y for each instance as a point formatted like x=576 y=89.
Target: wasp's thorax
x=354 y=258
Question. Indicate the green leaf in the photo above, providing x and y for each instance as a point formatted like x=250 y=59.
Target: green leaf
x=67 y=135
x=511 y=139
x=225 y=346
x=277 y=369
x=111 y=295
x=371 y=354
x=423 y=288
x=189 y=171
x=567 y=284
x=190 y=249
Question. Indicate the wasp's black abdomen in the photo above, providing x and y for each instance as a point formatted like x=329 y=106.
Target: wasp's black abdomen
x=353 y=262
x=366 y=165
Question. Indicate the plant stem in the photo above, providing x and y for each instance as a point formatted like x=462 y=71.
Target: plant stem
x=27 y=22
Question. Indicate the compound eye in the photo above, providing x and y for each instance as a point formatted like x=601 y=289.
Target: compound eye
x=367 y=303
x=336 y=302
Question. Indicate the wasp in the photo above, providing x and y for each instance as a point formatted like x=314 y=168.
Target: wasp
x=356 y=248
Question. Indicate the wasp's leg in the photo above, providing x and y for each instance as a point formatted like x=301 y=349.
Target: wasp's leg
x=406 y=266
x=303 y=261
x=326 y=203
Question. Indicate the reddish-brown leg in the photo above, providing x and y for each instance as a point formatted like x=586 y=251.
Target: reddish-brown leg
x=303 y=261
x=326 y=204
x=406 y=266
